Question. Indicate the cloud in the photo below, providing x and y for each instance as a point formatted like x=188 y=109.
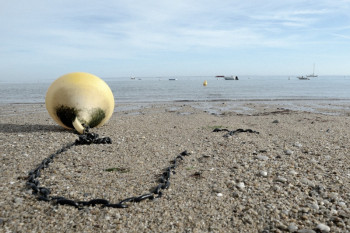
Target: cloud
x=81 y=31
x=157 y=24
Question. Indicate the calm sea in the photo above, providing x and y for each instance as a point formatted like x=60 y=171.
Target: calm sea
x=158 y=89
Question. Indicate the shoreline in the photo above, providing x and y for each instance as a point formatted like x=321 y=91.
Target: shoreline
x=293 y=175
x=322 y=106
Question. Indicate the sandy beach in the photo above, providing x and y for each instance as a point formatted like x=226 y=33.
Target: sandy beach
x=291 y=176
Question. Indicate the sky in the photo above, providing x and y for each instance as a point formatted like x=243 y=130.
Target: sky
x=43 y=40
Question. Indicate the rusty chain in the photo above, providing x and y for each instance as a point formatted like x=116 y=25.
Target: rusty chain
x=233 y=132
x=87 y=138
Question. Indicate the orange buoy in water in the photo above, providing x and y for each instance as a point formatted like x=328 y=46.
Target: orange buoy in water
x=205 y=83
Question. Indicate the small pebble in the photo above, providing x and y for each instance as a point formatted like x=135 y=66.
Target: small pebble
x=263 y=173
x=307 y=182
x=262 y=157
x=281 y=179
x=275 y=121
x=306 y=231
x=333 y=212
x=292 y=172
x=240 y=185
x=219 y=194
x=323 y=228
x=342 y=204
x=292 y=227
x=18 y=200
x=288 y=152
x=314 y=206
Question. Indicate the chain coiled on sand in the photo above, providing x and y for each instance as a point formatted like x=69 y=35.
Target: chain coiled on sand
x=43 y=193
x=87 y=138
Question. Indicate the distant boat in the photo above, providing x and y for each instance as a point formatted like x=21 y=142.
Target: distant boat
x=303 y=78
x=172 y=79
x=226 y=77
x=230 y=78
x=313 y=75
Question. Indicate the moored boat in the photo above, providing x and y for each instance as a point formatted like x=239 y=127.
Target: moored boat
x=303 y=78
x=313 y=75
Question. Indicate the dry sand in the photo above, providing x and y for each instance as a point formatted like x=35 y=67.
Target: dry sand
x=291 y=177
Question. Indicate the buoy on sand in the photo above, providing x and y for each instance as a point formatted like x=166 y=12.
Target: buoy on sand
x=78 y=99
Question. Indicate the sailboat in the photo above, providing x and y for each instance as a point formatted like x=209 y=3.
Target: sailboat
x=313 y=75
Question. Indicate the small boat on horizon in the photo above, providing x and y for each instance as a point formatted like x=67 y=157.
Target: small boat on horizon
x=227 y=77
x=303 y=78
x=231 y=78
x=313 y=75
x=172 y=79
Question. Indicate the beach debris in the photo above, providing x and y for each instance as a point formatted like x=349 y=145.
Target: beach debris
x=276 y=121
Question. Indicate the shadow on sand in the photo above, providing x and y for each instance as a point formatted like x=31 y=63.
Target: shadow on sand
x=28 y=128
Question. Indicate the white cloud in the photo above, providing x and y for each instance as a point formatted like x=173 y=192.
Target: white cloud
x=78 y=31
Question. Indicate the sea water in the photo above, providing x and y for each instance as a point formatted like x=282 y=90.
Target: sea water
x=162 y=89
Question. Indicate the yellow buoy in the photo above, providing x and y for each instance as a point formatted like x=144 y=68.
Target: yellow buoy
x=205 y=83
x=78 y=99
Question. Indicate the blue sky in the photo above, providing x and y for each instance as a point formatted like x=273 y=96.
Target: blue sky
x=122 y=38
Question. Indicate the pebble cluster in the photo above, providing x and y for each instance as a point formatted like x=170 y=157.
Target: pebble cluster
x=291 y=177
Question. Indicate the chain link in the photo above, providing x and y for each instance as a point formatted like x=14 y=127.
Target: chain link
x=87 y=138
x=233 y=132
